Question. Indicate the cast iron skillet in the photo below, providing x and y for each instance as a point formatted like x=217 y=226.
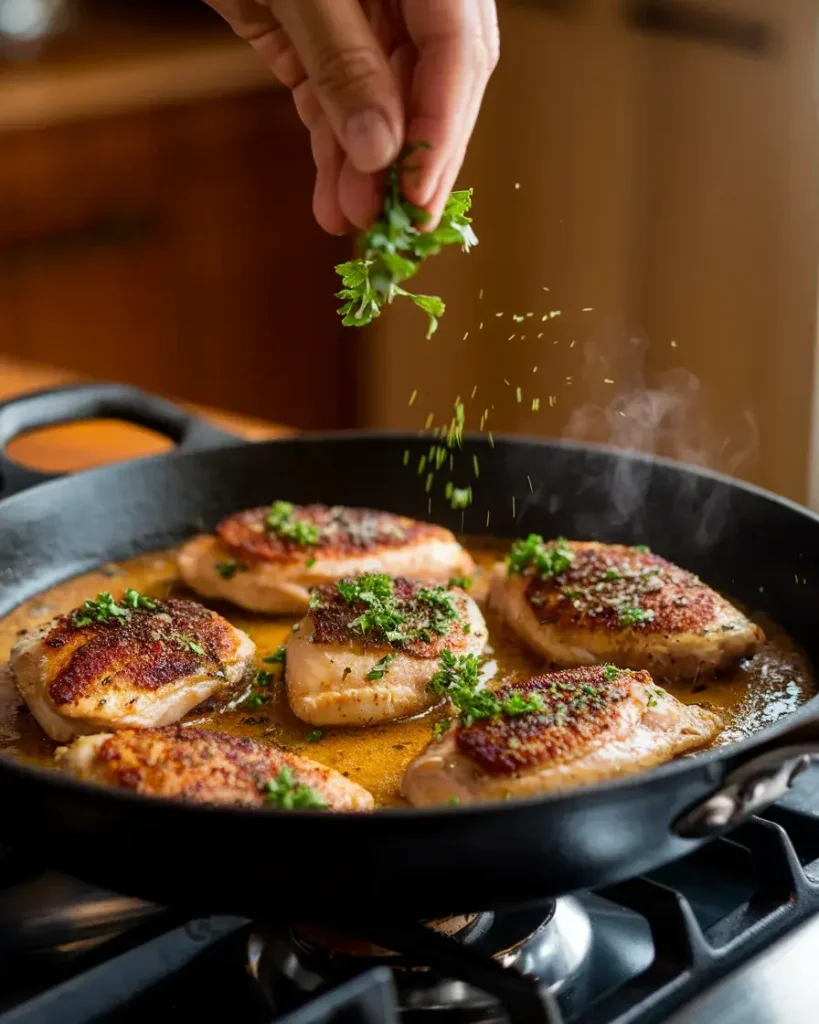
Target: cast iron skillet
x=420 y=863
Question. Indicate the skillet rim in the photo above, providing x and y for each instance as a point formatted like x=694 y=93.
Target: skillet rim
x=722 y=755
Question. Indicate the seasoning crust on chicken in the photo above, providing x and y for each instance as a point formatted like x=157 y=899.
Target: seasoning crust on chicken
x=591 y=724
x=585 y=603
x=138 y=663
x=267 y=559
x=368 y=647
x=209 y=767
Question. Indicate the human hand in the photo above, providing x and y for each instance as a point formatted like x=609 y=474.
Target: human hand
x=367 y=76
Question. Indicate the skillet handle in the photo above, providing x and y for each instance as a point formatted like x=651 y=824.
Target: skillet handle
x=95 y=401
x=747 y=790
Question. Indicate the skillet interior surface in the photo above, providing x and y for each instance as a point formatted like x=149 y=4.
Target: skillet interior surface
x=747 y=543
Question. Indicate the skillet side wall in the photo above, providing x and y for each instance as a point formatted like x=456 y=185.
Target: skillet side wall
x=755 y=547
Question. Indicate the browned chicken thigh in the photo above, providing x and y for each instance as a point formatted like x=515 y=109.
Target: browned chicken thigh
x=592 y=724
x=267 y=559
x=585 y=603
x=369 y=657
x=134 y=662
x=210 y=767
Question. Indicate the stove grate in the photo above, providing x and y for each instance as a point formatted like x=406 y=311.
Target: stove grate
x=697 y=920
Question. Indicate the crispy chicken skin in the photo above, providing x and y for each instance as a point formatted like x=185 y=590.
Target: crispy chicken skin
x=596 y=724
x=148 y=668
x=257 y=568
x=202 y=766
x=338 y=675
x=623 y=605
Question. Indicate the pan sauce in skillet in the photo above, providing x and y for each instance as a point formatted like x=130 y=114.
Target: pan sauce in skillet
x=753 y=696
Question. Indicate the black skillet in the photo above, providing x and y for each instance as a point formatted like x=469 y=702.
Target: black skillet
x=753 y=545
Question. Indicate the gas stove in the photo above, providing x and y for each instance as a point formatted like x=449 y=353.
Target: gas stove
x=726 y=934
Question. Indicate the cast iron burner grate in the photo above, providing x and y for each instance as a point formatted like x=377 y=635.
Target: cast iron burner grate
x=654 y=944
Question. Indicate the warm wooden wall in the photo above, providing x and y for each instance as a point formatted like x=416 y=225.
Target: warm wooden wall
x=175 y=248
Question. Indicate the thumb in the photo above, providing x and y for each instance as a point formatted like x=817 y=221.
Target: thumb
x=351 y=76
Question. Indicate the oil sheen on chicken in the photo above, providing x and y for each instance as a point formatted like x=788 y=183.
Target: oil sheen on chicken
x=143 y=667
x=208 y=767
x=341 y=673
x=624 y=605
x=596 y=724
x=271 y=568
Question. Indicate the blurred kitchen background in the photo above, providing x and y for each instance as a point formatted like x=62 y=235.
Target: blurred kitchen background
x=646 y=177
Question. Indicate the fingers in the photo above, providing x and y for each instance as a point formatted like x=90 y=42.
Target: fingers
x=457 y=42
x=350 y=75
x=329 y=159
x=361 y=195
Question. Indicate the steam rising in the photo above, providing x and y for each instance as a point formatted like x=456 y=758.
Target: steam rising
x=666 y=414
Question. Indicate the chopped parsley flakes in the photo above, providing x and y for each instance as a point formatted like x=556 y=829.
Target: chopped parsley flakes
x=441 y=727
x=382 y=616
x=278 y=657
x=282 y=521
x=381 y=667
x=546 y=559
x=285 y=793
x=228 y=569
x=259 y=693
x=385 y=616
x=458 y=679
x=442 y=608
x=105 y=609
x=634 y=616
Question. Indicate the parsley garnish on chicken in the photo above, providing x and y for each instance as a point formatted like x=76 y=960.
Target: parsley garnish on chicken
x=547 y=559
x=393 y=250
x=458 y=679
x=104 y=608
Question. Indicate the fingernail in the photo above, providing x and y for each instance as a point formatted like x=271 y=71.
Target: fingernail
x=369 y=141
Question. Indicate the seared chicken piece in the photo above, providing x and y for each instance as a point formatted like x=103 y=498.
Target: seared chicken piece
x=368 y=647
x=209 y=767
x=594 y=724
x=267 y=559
x=115 y=666
x=582 y=603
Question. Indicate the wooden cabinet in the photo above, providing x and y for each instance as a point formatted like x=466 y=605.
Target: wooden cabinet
x=175 y=248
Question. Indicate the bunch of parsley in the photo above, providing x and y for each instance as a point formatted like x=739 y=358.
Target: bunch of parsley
x=394 y=249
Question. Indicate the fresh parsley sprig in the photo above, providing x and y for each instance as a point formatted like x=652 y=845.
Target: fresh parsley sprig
x=393 y=250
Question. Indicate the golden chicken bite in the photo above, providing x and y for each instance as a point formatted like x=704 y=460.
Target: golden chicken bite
x=587 y=725
x=585 y=603
x=368 y=647
x=210 y=767
x=135 y=663
x=267 y=559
